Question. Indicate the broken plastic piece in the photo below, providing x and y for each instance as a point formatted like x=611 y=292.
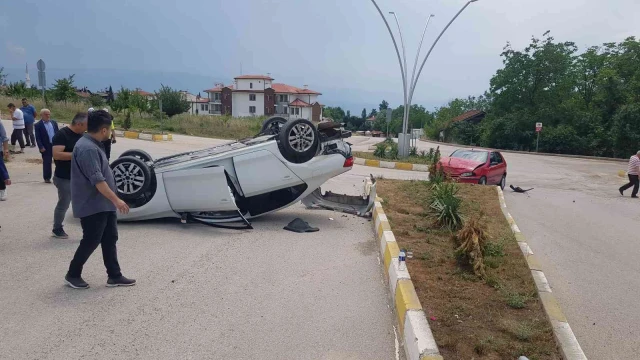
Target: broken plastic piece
x=300 y=226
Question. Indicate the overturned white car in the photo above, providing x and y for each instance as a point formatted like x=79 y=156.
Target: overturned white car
x=287 y=162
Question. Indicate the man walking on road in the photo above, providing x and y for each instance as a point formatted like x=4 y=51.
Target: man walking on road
x=30 y=114
x=95 y=202
x=63 y=143
x=633 y=171
x=45 y=129
x=18 y=128
x=4 y=173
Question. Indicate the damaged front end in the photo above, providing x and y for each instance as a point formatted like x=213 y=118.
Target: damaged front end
x=357 y=205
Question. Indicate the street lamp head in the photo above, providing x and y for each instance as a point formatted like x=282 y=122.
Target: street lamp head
x=392 y=13
x=472 y=1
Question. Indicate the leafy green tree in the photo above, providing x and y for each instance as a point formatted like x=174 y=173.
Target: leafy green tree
x=139 y=102
x=96 y=100
x=173 y=102
x=373 y=113
x=122 y=101
x=383 y=105
x=64 y=90
x=364 y=114
x=3 y=76
x=335 y=113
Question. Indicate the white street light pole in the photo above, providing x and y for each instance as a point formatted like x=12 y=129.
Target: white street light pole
x=406 y=73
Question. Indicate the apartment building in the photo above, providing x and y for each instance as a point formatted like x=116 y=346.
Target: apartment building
x=258 y=95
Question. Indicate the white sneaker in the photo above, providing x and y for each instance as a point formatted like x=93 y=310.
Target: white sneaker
x=3 y=195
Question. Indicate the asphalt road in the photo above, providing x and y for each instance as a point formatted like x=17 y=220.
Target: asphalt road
x=202 y=293
x=587 y=238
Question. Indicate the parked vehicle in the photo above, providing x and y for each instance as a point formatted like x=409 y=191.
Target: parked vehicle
x=476 y=167
x=287 y=162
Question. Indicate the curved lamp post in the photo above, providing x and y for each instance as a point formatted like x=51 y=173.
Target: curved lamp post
x=408 y=91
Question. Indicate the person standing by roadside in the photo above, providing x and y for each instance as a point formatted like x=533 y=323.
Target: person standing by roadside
x=633 y=171
x=63 y=143
x=95 y=202
x=18 y=128
x=45 y=130
x=4 y=173
x=30 y=114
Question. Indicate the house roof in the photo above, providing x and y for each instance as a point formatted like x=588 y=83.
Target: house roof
x=300 y=103
x=83 y=94
x=469 y=115
x=251 y=77
x=218 y=89
x=284 y=88
x=143 y=93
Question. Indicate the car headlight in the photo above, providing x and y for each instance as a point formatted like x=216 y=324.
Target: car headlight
x=467 y=174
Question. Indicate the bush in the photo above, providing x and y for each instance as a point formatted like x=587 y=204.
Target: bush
x=471 y=240
x=446 y=204
x=127 y=121
x=434 y=172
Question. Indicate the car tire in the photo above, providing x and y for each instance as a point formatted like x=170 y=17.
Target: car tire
x=140 y=154
x=503 y=182
x=132 y=177
x=273 y=125
x=483 y=181
x=298 y=140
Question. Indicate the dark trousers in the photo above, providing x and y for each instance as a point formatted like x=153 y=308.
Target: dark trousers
x=634 y=181
x=107 y=148
x=97 y=229
x=28 y=135
x=3 y=186
x=16 y=135
x=47 y=160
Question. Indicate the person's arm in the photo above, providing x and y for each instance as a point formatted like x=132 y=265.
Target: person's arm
x=35 y=113
x=38 y=139
x=60 y=154
x=88 y=162
x=4 y=139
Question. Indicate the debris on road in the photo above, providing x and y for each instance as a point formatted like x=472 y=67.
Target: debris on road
x=519 y=190
x=300 y=226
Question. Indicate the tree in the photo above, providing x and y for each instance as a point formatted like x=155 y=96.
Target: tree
x=110 y=97
x=383 y=105
x=173 y=102
x=123 y=101
x=139 y=102
x=335 y=113
x=64 y=90
x=3 y=76
x=364 y=114
x=373 y=113
x=96 y=100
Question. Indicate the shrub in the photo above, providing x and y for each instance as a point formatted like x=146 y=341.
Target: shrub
x=471 y=240
x=381 y=150
x=413 y=151
x=435 y=158
x=127 y=124
x=516 y=301
x=446 y=204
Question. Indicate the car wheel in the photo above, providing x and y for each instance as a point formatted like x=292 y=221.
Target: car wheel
x=503 y=181
x=272 y=125
x=298 y=140
x=140 y=154
x=132 y=177
x=483 y=181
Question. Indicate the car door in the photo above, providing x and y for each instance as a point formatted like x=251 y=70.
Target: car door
x=199 y=189
x=496 y=168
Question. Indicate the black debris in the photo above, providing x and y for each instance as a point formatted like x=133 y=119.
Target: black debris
x=300 y=226
x=519 y=190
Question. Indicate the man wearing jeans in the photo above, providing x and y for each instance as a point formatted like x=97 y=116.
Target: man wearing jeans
x=95 y=202
x=30 y=114
x=633 y=171
x=63 y=143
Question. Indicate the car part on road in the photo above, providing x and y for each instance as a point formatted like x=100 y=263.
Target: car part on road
x=356 y=205
x=300 y=226
x=298 y=140
x=272 y=125
x=132 y=177
x=519 y=190
x=215 y=222
x=137 y=153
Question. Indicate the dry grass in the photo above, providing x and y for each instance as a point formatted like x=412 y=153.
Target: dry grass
x=59 y=110
x=498 y=317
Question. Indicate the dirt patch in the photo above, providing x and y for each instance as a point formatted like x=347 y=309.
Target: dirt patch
x=34 y=161
x=410 y=159
x=500 y=317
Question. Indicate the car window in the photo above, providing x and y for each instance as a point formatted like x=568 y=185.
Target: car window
x=496 y=158
x=480 y=156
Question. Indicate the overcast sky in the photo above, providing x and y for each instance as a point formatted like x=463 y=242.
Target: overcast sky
x=339 y=47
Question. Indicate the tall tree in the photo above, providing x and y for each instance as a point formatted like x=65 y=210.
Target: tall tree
x=384 y=105
x=3 y=76
x=64 y=90
x=364 y=114
x=173 y=102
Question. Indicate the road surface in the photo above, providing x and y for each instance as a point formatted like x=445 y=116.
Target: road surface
x=202 y=293
x=587 y=238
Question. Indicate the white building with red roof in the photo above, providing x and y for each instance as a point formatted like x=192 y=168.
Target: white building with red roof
x=258 y=95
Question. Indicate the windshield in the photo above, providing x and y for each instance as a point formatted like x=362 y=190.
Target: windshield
x=479 y=156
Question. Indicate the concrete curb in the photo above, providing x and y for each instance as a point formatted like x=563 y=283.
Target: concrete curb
x=415 y=332
x=565 y=338
x=144 y=136
x=392 y=165
x=531 y=153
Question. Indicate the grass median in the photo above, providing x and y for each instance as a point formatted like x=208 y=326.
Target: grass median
x=492 y=312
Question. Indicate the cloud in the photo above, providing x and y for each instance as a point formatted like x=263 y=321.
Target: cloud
x=16 y=50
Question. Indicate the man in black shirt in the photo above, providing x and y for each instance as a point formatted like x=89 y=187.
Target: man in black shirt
x=63 y=143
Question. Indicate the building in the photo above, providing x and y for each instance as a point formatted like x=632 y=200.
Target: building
x=258 y=95
x=197 y=105
x=473 y=116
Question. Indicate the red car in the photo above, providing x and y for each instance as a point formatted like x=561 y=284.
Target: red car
x=475 y=167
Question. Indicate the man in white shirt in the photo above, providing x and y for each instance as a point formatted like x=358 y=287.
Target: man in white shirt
x=633 y=171
x=18 y=128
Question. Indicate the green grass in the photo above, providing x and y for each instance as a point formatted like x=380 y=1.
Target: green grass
x=411 y=159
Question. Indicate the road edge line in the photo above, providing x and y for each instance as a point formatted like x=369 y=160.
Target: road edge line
x=415 y=332
x=565 y=339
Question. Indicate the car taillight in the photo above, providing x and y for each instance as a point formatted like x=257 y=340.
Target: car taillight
x=348 y=162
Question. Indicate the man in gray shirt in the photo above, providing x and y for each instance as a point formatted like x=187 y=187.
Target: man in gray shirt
x=95 y=202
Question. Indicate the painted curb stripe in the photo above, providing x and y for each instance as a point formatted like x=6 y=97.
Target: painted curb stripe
x=565 y=337
x=403 y=166
x=130 y=135
x=418 y=340
x=373 y=163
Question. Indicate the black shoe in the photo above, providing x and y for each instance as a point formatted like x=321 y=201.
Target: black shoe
x=621 y=192
x=76 y=283
x=634 y=196
x=32 y=146
x=59 y=233
x=120 y=281
x=48 y=181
